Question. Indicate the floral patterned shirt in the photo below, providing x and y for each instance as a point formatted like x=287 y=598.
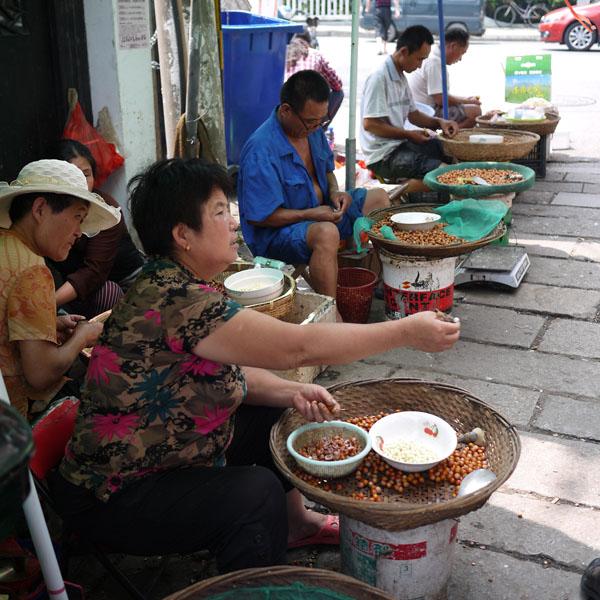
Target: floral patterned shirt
x=149 y=403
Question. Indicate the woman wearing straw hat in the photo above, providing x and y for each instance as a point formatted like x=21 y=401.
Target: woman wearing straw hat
x=170 y=449
x=42 y=214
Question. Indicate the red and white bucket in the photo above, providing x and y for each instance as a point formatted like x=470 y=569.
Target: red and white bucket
x=413 y=284
x=409 y=565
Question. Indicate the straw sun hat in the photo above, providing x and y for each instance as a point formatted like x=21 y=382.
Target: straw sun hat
x=58 y=177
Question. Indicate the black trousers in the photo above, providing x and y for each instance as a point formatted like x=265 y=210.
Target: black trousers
x=237 y=512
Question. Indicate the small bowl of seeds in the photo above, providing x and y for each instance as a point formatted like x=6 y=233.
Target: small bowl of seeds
x=331 y=449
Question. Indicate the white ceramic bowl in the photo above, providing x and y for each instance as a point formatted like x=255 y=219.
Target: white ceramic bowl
x=424 y=429
x=312 y=432
x=254 y=286
x=415 y=220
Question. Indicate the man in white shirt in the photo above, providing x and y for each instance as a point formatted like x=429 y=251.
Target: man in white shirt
x=391 y=151
x=426 y=82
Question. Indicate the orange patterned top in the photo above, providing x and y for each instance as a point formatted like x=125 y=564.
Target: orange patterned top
x=27 y=312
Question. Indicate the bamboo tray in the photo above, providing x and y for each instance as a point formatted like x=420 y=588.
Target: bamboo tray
x=516 y=144
x=418 y=505
x=399 y=247
x=544 y=127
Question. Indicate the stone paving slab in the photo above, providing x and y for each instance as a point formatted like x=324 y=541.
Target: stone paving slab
x=578 y=213
x=356 y=371
x=478 y=574
x=555 y=467
x=557 y=226
x=574 y=338
x=573 y=274
x=535 y=371
x=592 y=188
x=571 y=199
x=535 y=197
x=579 y=418
x=552 y=175
x=498 y=325
x=555 y=300
x=588 y=250
x=557 y=186
x=516 y=404
x=534 y=527
x=585 y=176
x=544 y=245
x=575 y=167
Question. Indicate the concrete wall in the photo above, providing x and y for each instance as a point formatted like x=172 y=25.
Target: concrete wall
x=121 y=80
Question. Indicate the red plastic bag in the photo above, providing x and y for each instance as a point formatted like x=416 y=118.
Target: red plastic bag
x=105 y=154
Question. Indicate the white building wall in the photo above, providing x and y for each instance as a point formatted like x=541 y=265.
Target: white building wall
x=121 y=80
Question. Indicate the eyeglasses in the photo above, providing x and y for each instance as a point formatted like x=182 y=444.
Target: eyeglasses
x=324 y=122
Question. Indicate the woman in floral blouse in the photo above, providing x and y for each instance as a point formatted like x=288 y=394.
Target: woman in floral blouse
x=155 y=464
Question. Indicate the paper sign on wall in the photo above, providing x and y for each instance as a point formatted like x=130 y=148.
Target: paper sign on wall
x=528 y=77
x=133 y=24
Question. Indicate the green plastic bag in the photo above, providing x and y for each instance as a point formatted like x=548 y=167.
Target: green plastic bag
x=472 y=219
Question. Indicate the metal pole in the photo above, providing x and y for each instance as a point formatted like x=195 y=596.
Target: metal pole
x=193 y=82
x=443 y=58
x=55 y=586
x=351 y=139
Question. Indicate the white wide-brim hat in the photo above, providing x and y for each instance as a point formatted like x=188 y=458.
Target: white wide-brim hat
x=58 y=177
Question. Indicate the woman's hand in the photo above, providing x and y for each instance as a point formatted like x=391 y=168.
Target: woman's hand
x=315 y=403
x=65 y=326
x=428 y=333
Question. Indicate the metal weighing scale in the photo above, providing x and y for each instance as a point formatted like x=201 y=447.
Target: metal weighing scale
x=505 y=265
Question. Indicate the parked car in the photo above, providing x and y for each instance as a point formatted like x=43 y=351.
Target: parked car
x=468 y=14
x=562 y=27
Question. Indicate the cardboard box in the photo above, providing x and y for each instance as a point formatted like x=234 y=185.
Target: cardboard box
x=308 y=308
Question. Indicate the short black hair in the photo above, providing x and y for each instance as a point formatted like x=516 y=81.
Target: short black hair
x=68 y=149
x=169 y=192
x=303 y=35
x=457 y=34
x=413 y=38
x=303 y=86
x=22 y=204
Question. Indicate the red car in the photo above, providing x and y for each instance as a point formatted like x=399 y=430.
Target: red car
x=561 y=26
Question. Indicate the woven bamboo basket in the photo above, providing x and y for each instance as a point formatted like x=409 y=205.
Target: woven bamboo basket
x=278 y=307
x=424 y=504
x=399 y=247
x=545 y=127
x=516 y=144
x=274 y=577
x=87 y=352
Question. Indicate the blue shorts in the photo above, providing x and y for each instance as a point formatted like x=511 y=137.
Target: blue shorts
x=289 y=243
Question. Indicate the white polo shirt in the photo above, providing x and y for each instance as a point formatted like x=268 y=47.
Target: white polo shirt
x=386 y=94
x=427 y=80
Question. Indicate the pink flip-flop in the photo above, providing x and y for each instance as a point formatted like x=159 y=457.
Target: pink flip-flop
x=328 y=534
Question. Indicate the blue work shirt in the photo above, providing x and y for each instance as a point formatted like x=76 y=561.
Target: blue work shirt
x=272 y=175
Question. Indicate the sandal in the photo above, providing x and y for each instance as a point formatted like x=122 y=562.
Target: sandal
x=328 y=534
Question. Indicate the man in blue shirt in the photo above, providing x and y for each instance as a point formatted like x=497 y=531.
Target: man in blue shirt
x=290 y=206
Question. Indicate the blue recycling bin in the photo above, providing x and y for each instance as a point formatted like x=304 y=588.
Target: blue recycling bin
x=254 y=66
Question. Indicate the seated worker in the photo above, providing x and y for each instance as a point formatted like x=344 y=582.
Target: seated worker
x=170 y=451
x=300 y=57
x=391 y=151
x=98 y=270
x=290 y=206
x=42 y=214
x=426 y=82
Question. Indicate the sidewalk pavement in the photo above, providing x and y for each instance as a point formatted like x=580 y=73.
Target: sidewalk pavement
x=516 y=33
x=534 y=355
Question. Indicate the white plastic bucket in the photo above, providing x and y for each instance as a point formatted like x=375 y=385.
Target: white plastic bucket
x=413 y=284
x=409 y=565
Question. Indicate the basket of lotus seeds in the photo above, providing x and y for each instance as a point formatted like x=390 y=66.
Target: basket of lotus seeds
x=383 y=496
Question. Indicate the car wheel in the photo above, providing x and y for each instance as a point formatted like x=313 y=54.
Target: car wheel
x=577 y=37
x=455 y=25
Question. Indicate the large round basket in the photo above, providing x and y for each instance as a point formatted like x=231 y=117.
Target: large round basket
x=418 y=505
x=544 y=127
x=516 y=144
x=277 y=583
x=400 y=247
x=278 y=307
x=479 y=191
